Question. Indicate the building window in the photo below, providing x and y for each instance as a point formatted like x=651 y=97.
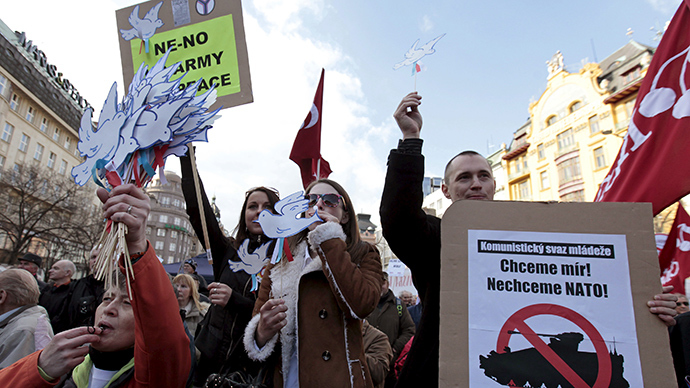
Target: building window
x=39 y=152
x=541 y=152
x=30 y=114
x=569 y=170
x=51 y=160
x=3 y=85
x=159 y=245
x=165 y=200
x=163 y=218
x=68 y=142
x=24 y=143
x=599 y=158
x=550 y=120
x=14 y=103
x=160 y=232
x=593 y=124
x=176 y=202
x=7 y=132
x=148 y=230
x=177 y=221
x=44 y=124
x=56 y=134
x=631 y=75
x=577 y=105
x=173 y=234
x=521 y=190
x=172 y=247
x=544 y=178
x=63 y=167
x=575 y=196
x=566 y=139
x=2 y=162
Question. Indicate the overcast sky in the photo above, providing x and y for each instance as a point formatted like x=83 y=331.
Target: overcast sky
x=476 y=88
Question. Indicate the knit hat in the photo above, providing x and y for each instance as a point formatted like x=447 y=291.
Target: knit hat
x=191 y=262
x=30 y=257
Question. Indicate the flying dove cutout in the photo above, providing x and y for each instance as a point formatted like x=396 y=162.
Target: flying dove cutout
x=251 y=263
x=286 y=222
x=414 y=54
x=144 y=28
x=154 y=113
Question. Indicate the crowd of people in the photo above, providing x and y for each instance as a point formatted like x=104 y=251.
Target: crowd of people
x=323 y=315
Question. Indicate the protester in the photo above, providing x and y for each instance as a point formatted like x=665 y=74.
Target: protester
x=220 y=337
x=392 y=318
x=55 y=296
x=407 y=298
x=24 y=326
x=378 y=352
x=137 y=343
x=415 y=237
x=191 y=309
x=86 y=296
x=682 y=305
x=317 y=301
x=189 y=267
x=32 y=262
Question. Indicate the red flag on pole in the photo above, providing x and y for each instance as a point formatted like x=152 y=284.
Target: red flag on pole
x=653 y=164
x=306 y=151
x=674 y=259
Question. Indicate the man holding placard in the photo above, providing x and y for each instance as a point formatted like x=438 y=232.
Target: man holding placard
x=415 y=237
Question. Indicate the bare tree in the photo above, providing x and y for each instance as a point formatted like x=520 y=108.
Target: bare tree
x=48 y=214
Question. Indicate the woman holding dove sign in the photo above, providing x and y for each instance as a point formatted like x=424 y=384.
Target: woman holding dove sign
x=314 y=298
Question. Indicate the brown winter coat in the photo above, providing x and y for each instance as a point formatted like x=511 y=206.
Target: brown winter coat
x=331 y=294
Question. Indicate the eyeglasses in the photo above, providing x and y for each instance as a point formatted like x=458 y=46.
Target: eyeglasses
x=330 y=200
x=682 y=304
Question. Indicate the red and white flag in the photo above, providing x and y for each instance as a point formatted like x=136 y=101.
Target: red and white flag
x=653 y=164
x=306 y=151
x=674 y=259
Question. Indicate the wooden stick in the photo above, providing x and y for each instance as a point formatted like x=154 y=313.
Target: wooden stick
x=197 y=187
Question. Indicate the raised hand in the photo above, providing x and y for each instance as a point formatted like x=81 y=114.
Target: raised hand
x=408 y=117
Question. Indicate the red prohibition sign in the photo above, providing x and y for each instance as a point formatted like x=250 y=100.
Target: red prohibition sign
x=517 y=322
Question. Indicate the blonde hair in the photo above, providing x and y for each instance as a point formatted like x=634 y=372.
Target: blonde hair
x=189 y=282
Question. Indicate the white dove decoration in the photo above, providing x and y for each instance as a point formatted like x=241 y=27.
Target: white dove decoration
x=155 y=119
x=286 y=223
x=251 y=263
x=144 y=28
x=414 y=54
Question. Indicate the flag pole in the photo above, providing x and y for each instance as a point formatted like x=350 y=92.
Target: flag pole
x=318 y=169
x=197 y=187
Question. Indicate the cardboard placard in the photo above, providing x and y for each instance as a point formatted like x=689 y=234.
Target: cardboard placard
x=206 y=36
x=550 y=293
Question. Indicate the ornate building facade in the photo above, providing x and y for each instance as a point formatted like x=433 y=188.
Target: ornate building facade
x=168 y=227
x=576 y=127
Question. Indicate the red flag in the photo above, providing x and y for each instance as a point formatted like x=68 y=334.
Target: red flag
x=306 y=151
x=653 y=162
x=674 y=259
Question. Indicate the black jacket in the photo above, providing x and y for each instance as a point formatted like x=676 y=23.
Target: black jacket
x=415 y=238
x=223 y=327
x=86 y=296
x=55 y=301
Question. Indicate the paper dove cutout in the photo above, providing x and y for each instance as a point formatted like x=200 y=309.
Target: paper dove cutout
x=285 y=223
x=144 y=28
x=155 y=119
x=414 y=54
x=251 y=263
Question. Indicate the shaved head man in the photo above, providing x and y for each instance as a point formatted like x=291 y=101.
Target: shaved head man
x=55 y=296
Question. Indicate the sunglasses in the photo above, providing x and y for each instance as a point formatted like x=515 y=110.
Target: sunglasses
x=330 y=200
x=682 y=304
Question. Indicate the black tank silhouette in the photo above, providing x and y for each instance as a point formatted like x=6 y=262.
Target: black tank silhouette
x=528 y=366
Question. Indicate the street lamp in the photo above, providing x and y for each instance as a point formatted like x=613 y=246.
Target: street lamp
x=610 y=132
